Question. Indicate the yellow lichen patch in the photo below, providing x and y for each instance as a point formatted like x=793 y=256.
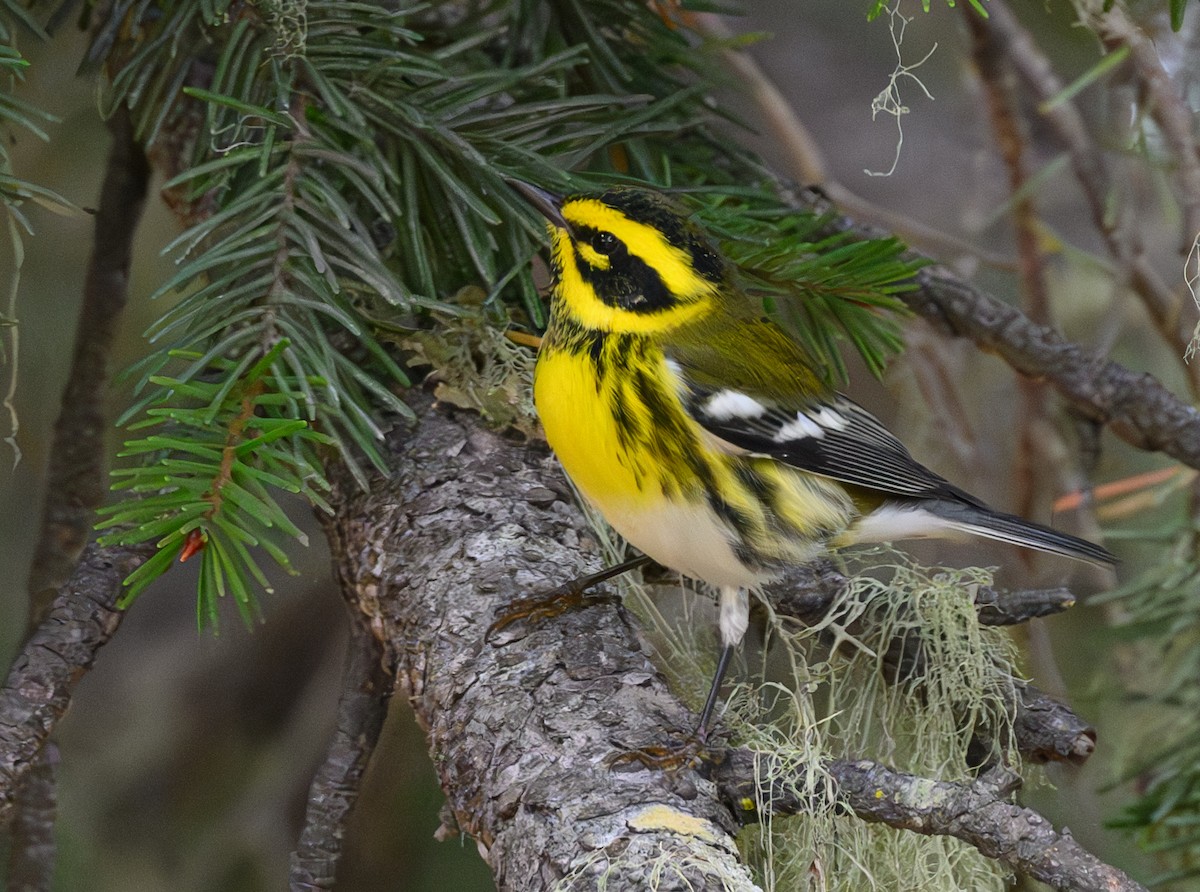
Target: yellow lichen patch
x=663 y=817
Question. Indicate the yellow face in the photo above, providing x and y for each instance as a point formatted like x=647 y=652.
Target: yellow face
x=629 y=262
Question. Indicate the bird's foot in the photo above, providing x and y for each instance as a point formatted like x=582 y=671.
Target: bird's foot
x=555 y=602
x=566 y=597
x=690 y=753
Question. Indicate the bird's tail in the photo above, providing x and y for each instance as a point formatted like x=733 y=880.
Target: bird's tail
x=990 y=524
x=945 y=518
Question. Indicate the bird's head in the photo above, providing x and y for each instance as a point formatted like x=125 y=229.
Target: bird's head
x=628 y=259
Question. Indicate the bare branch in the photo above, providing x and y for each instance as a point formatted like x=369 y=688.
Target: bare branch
x=43 y=676
x=1175 y=120
x=75 y=484
x=1136 y=406
x=1049 y=731
x=367 y=684
x=1001 y=607
x=980 y=813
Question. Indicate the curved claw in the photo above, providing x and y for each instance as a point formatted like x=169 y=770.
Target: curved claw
x=551 y=604
x=561 y=599
x=691 y=753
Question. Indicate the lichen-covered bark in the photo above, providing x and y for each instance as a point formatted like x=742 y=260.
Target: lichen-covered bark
x=520 y=726
x=980 y=813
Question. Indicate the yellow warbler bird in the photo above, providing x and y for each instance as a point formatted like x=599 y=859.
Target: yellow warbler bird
x=701 y=430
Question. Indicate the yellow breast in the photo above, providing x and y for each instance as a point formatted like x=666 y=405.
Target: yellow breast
x=576 y=412
x=668 y=519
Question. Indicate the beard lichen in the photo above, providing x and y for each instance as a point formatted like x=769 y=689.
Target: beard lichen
x=899 y=670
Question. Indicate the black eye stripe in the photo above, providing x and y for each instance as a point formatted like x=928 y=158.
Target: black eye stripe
x=630 y=284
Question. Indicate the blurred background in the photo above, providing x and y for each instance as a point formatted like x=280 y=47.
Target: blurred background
x=187 y=755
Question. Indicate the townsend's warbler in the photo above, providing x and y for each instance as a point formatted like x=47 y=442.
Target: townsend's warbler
x=701 y=431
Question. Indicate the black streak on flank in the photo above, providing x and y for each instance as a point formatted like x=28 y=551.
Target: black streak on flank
x=671 y=439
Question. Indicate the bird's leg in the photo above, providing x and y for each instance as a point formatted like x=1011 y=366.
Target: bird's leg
x=714 y=693
x=562 y=598
x=735 y=617
x=693 y=750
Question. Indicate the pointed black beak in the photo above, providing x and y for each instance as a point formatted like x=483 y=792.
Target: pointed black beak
x=548 y=204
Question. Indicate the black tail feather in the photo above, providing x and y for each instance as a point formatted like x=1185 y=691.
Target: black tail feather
x=982 y=521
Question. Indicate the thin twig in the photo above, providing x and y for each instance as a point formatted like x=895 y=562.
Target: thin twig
x=1030 y=464
x=1176 y=122
x=1044 y=728
x=939 y=388
x=1166 y=307
x=75 y=477
x=806 y=163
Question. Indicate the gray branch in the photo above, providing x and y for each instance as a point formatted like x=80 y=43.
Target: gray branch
x=980 y=813
x=82 y=618
x=76 y=479
x=1134 y=405
x=366 y=692
x=521 y=727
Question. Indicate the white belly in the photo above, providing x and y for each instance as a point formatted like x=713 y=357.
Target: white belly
x=689 y=539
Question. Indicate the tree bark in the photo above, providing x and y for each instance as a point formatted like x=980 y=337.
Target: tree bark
x=42 y=679
x=520 y=726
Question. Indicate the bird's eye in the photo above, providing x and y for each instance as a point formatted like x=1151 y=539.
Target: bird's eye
x=604 y=242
